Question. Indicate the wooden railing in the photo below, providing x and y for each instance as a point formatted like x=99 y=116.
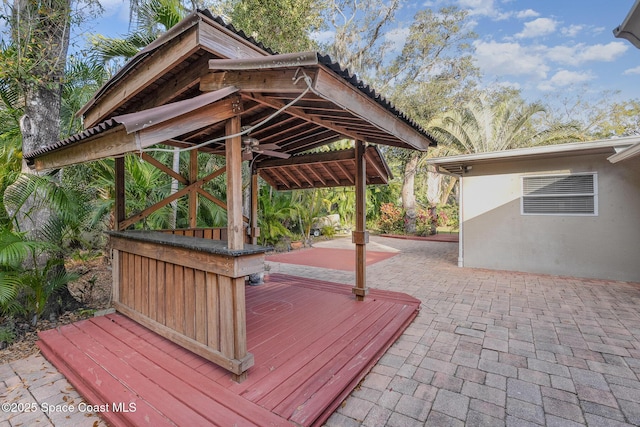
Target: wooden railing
x=190 y=291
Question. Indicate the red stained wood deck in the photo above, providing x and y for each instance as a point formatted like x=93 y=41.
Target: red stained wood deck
x=311 y=340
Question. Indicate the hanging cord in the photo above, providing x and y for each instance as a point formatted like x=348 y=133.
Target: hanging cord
x=296 y=79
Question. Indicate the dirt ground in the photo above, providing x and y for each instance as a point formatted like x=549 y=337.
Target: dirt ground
x=92 y=290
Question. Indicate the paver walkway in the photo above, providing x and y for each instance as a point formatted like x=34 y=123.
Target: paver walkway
x=496 y=348
x=489 y=348
x=34 y=393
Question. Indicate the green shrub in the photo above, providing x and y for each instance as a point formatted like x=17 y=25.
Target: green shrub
x=6 y=335
x=391 y=219
x=328 y=230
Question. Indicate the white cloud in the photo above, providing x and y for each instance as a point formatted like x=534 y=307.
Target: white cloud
x=484 y=8
x=604 y=52
x=565 y=78
x=529 y=13
x=513 y=59
x=581 y=53
x=479 y=7
x=572 y=30
x=538 y=27
x=631 y=71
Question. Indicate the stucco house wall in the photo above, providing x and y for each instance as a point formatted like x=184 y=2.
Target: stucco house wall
x=498 y=236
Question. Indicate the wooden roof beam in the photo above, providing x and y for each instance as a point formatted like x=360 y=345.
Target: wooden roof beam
x=282 y=81
x=154 y=68
x=172 y=89
x=291 y=177
x=328 y=86
x=164 y=168
x=333 y=88
x=330 y=173
x=117 y=141
x=303 y=174
x=374 y=165
x=314 y=173
x=346 y=173
x=293 y=110
x=279 y=176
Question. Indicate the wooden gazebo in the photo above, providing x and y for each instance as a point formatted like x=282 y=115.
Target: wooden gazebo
x=203 y=86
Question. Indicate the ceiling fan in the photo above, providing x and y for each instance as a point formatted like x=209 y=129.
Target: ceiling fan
x=252 y=145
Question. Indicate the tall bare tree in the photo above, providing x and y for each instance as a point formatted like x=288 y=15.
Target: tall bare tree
x=40 y=41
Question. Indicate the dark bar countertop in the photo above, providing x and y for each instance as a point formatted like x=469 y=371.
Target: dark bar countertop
x=216 y=247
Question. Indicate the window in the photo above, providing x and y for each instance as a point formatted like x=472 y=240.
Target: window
x=574 y=194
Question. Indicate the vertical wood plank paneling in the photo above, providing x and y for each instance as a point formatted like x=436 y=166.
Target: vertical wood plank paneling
x=178 y=297
x=137 y=283
x=201 y=306
x=189 y=303
x=239 y=318
x=207 y=233
x=144 y=285
x=122 y=279
x=153 y=289
x=169 y=299
x=226 y=324
x=115 y=275
x=213 y=308
x=131 y=281
x=161 y=292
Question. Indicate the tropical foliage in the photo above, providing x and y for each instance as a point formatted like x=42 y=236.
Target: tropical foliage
x=483 y=126
x=32 y=264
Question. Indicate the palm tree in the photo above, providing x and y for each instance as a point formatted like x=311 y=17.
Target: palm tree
x=152 y=18
x=482 y=126
x=276 y=208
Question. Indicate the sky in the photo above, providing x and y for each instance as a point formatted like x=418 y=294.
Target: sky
x=553 y=48
x=546 y=48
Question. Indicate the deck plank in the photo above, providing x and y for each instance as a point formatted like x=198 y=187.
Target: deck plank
x=136 y=375
x=212 y=402
x=89 y=378
x=311 y=340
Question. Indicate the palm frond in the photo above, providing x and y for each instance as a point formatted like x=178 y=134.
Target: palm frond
x=9 y=284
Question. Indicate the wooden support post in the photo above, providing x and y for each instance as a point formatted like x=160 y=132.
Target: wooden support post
x=193 y=194
x=255 y=231
x=233 y=151
x=119 y=196
x=360 y=236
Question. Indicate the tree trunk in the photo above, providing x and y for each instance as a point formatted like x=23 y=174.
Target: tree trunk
x=434 y=187
x=408 y=194
x=40 y=31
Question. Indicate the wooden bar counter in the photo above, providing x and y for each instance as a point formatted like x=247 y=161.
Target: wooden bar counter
x=187 y=289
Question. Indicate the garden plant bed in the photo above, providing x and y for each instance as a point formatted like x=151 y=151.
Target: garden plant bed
x=92 y=291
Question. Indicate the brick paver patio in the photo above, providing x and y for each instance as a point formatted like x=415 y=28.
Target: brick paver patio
x=496 y=348
x=489 y=348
